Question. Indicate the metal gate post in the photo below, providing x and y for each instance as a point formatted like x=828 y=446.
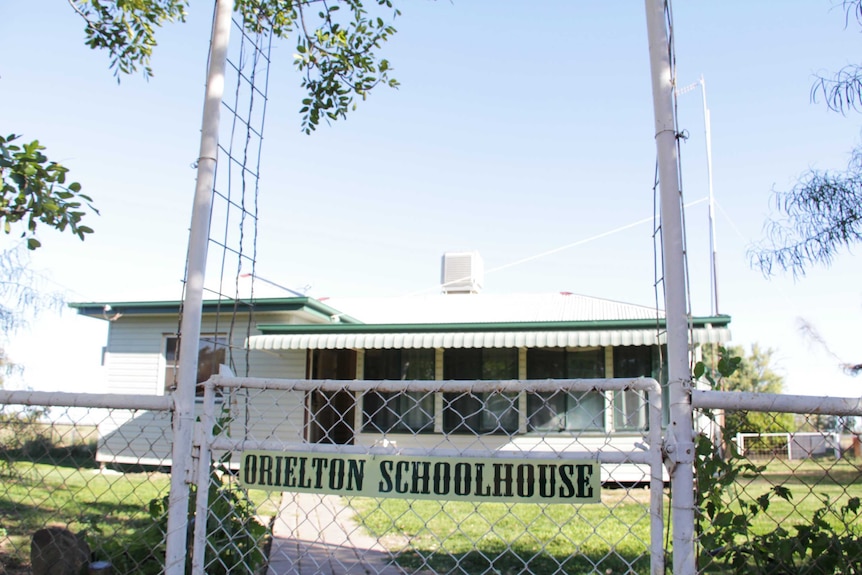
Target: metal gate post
x=680 y=432
x=190 y=329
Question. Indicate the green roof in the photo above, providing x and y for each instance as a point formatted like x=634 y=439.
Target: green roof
x=103 y=309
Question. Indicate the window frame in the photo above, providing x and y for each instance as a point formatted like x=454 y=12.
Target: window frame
x=378 y=408
x=170 y=356
x=568 y=402
x=630 y=407
x=468 y=414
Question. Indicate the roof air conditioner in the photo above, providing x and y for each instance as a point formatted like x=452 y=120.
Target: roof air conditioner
x=463 y=272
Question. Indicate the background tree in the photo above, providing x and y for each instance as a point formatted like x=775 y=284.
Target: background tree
x=23 y=296
x=753 y=373
x=822 y=213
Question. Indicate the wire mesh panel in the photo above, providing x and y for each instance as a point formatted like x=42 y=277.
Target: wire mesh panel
x=61 y=509
x=433 y=477
x=786 y=499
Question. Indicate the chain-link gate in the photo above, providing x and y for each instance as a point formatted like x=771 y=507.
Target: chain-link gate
x=786 y=499
x=430 y=513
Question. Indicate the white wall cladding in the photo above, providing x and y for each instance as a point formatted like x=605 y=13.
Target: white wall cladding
x=271 y=415
x=134 y=355
x=136 y=365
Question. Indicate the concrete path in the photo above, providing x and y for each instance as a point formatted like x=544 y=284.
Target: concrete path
x=317 y=534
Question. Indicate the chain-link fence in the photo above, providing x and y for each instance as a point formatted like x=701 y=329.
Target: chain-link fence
x=438 y=477
x=780 y=491
x=425 y=477
x=61 y=510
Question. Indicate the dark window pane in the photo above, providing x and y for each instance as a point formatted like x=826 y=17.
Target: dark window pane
x=480 y=412
x=562 y=411
x=630 y=408
x=399 y=412
x=212 y=352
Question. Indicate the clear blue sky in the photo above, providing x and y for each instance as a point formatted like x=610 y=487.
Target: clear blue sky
x=519 y=128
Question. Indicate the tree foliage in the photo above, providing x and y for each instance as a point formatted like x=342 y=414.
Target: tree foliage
x=127 y=29
x=822 y=213
x=731 y=369
x=336 y=50
x=34 y=191
x=819 y=216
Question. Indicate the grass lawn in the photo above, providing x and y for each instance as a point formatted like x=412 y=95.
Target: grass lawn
x=809 y=481
x=109 y=507
x=121 y=514
x=609 y=538
x=473 y=538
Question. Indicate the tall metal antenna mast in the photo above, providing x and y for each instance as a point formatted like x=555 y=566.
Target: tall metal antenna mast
x=713 y=266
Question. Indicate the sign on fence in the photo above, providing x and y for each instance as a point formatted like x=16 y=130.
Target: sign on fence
x=409 y=477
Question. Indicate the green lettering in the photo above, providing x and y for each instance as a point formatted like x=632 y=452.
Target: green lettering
x=480 y=482
x=319 y=464
x=385 y=485
x=355 y=474
x=336 y=474
x=585 y=473
x=303 y=480
x=503 y=479
x=265 y=470
x=250 y=469
x=463 y=479
x=567 y=490
x=441 y=478
x=289 y=475
x=401 y=485
x=526 y=480
x=547 y=481
x=421 y=473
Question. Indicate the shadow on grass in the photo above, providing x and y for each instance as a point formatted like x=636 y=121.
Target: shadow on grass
x=513 y=558
x=79 y=456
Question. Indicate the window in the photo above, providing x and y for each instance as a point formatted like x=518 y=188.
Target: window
x=411 y=412
x=480 y=412
x=211 y=353
x=330 y=413
x=562 y=411
x=630 y=407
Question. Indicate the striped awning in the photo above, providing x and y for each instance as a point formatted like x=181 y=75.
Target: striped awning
x=489 y=339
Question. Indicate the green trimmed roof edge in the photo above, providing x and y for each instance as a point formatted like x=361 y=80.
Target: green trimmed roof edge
x=285 y=329
x=310 y=305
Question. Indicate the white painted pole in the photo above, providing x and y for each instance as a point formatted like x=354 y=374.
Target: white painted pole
x=656 y=486
x=205 y=437
x=713 y=270
x=778 y=402
x=190 y=328
x=680 y=433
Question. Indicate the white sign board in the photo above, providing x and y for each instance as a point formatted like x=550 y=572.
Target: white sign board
x=407 y=477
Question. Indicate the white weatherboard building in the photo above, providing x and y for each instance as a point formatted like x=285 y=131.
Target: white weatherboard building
x=456 y=335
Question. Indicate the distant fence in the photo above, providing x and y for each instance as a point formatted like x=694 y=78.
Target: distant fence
x=789 y=445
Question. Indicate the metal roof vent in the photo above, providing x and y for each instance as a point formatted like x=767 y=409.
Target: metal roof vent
x=463 y=272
